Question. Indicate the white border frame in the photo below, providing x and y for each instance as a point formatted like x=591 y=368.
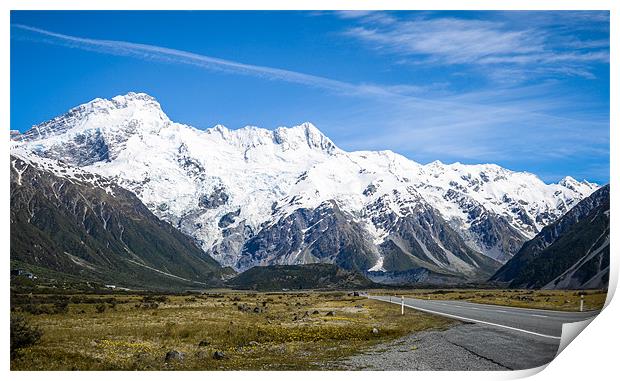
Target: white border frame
x=591 y=356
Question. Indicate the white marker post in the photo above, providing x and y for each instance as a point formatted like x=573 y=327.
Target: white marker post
x=581 y=304
x=402 y=305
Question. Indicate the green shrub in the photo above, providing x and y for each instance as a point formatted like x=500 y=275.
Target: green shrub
x=22 y=334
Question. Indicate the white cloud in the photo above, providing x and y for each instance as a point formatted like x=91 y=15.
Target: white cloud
x=158 y=53
x=484 y=43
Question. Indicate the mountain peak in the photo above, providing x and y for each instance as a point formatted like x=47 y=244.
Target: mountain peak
x=122 y=111
x=132 y=98
x=303 y=135
x=578 y=186
x=568 y=180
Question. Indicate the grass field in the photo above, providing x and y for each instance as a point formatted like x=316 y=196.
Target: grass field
x=253 y=331
x=552 y=299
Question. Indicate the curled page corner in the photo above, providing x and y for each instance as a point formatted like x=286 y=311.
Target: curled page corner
x=570 y=331
x=611 y=288
x=524 y=373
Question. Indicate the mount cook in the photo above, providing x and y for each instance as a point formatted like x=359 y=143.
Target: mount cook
x=256 y=197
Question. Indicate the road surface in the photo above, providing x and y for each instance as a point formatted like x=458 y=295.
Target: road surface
x=496 y=338
x=537 y=322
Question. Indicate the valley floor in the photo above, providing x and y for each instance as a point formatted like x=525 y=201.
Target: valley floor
x=275 y=331
x=249 y=331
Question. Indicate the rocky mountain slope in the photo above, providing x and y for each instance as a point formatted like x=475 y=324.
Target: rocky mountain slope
x=571 y=253
x=78 y=223
x=254 y=196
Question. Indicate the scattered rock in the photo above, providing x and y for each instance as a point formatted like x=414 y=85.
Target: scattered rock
x=280 y=349
x=219 y=355
x=228 y=219
x=253 y=343
x=359 y=306
x=214 y=200
x=141 y=357
x=202 y=355
x=315 y=312
x=244 y=307
x=375 y=331
x=330 y=313
x=175 y=356
x=204 y=343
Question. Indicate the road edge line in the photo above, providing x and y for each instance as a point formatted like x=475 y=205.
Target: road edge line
x=472 y=320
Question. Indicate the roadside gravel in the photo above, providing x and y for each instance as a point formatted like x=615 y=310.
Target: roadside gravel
x=462 y=347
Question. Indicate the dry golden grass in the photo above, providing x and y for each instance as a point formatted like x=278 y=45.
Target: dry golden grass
x=541 y=299
x=134 y=335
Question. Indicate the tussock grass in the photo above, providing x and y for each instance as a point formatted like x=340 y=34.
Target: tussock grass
x=287 y=334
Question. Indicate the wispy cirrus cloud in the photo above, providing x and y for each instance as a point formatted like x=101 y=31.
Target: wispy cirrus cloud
x=163 y=54
x=158 y=53
x=403 y=93
x=542 y=47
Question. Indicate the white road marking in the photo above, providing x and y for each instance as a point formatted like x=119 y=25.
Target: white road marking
x=476 y=321
x=519 y=310
x=490 y=306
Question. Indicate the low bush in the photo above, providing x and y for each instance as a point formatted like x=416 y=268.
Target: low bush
x=23 y=334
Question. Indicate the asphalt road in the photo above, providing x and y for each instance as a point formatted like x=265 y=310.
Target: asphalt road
x=542 y=323
x=495 y=338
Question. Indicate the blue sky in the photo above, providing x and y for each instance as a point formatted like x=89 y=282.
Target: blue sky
x=526 y=90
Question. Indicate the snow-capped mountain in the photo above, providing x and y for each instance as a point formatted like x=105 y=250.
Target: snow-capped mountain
x=254 y=196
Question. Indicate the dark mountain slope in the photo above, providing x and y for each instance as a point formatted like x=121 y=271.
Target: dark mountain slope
x=322 y=235
x=295 y=277
x=573 y=252
x=82 y=224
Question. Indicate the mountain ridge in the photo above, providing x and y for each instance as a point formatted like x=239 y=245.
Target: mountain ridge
x=223 y=187
x=572 y=252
